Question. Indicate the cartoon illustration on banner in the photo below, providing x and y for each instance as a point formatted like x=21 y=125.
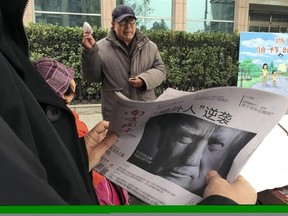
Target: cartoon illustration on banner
x=263 y=61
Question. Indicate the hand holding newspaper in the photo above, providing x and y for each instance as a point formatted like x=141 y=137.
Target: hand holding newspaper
x=167 y=146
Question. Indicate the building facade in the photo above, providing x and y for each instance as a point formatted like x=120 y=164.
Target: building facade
x=179 y=15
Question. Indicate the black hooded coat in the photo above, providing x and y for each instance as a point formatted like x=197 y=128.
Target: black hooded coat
x=42 y=161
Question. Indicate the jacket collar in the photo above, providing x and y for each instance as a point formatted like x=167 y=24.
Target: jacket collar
x=141 y=39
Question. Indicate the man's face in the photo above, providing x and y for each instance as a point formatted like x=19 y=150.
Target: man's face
x=196 y=148
x=125 y=29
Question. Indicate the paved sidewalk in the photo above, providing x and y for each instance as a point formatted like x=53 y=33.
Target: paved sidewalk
x=281 y=88
x=88 y=113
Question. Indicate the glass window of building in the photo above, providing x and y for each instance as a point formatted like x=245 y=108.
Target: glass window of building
x=210 y=15
x=150 y=13
x=68 y=12
x=268 y=19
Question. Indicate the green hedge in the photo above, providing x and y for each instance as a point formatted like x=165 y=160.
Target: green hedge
x=193 y=61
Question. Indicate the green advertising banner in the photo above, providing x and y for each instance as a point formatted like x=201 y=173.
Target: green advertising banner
x=211 y=209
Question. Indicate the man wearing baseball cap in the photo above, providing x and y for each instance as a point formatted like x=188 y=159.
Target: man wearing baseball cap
x=121 y=12
x=126 y=61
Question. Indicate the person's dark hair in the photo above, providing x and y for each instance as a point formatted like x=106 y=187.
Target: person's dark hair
x=174 y=120
x=273 y=71
x=69 y=92
x=264 y=65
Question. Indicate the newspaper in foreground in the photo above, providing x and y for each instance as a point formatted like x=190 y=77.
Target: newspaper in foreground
x=166 y=147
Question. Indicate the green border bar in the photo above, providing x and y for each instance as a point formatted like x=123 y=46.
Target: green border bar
x=146 y=209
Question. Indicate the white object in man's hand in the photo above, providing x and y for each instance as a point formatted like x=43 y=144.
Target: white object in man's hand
x=87 y=28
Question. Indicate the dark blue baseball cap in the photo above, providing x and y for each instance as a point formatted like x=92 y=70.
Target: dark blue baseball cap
x=122 y=11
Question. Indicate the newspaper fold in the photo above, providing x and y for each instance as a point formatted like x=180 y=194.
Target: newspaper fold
x=167 y=146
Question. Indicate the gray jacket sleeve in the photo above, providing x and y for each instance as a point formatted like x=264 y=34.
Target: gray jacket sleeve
x=91 y=64
x=154 y=76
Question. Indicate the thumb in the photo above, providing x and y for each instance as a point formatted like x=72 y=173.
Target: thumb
x=212 y=174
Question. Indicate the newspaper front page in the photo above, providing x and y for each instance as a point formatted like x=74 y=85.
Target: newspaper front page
x=166 y=147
